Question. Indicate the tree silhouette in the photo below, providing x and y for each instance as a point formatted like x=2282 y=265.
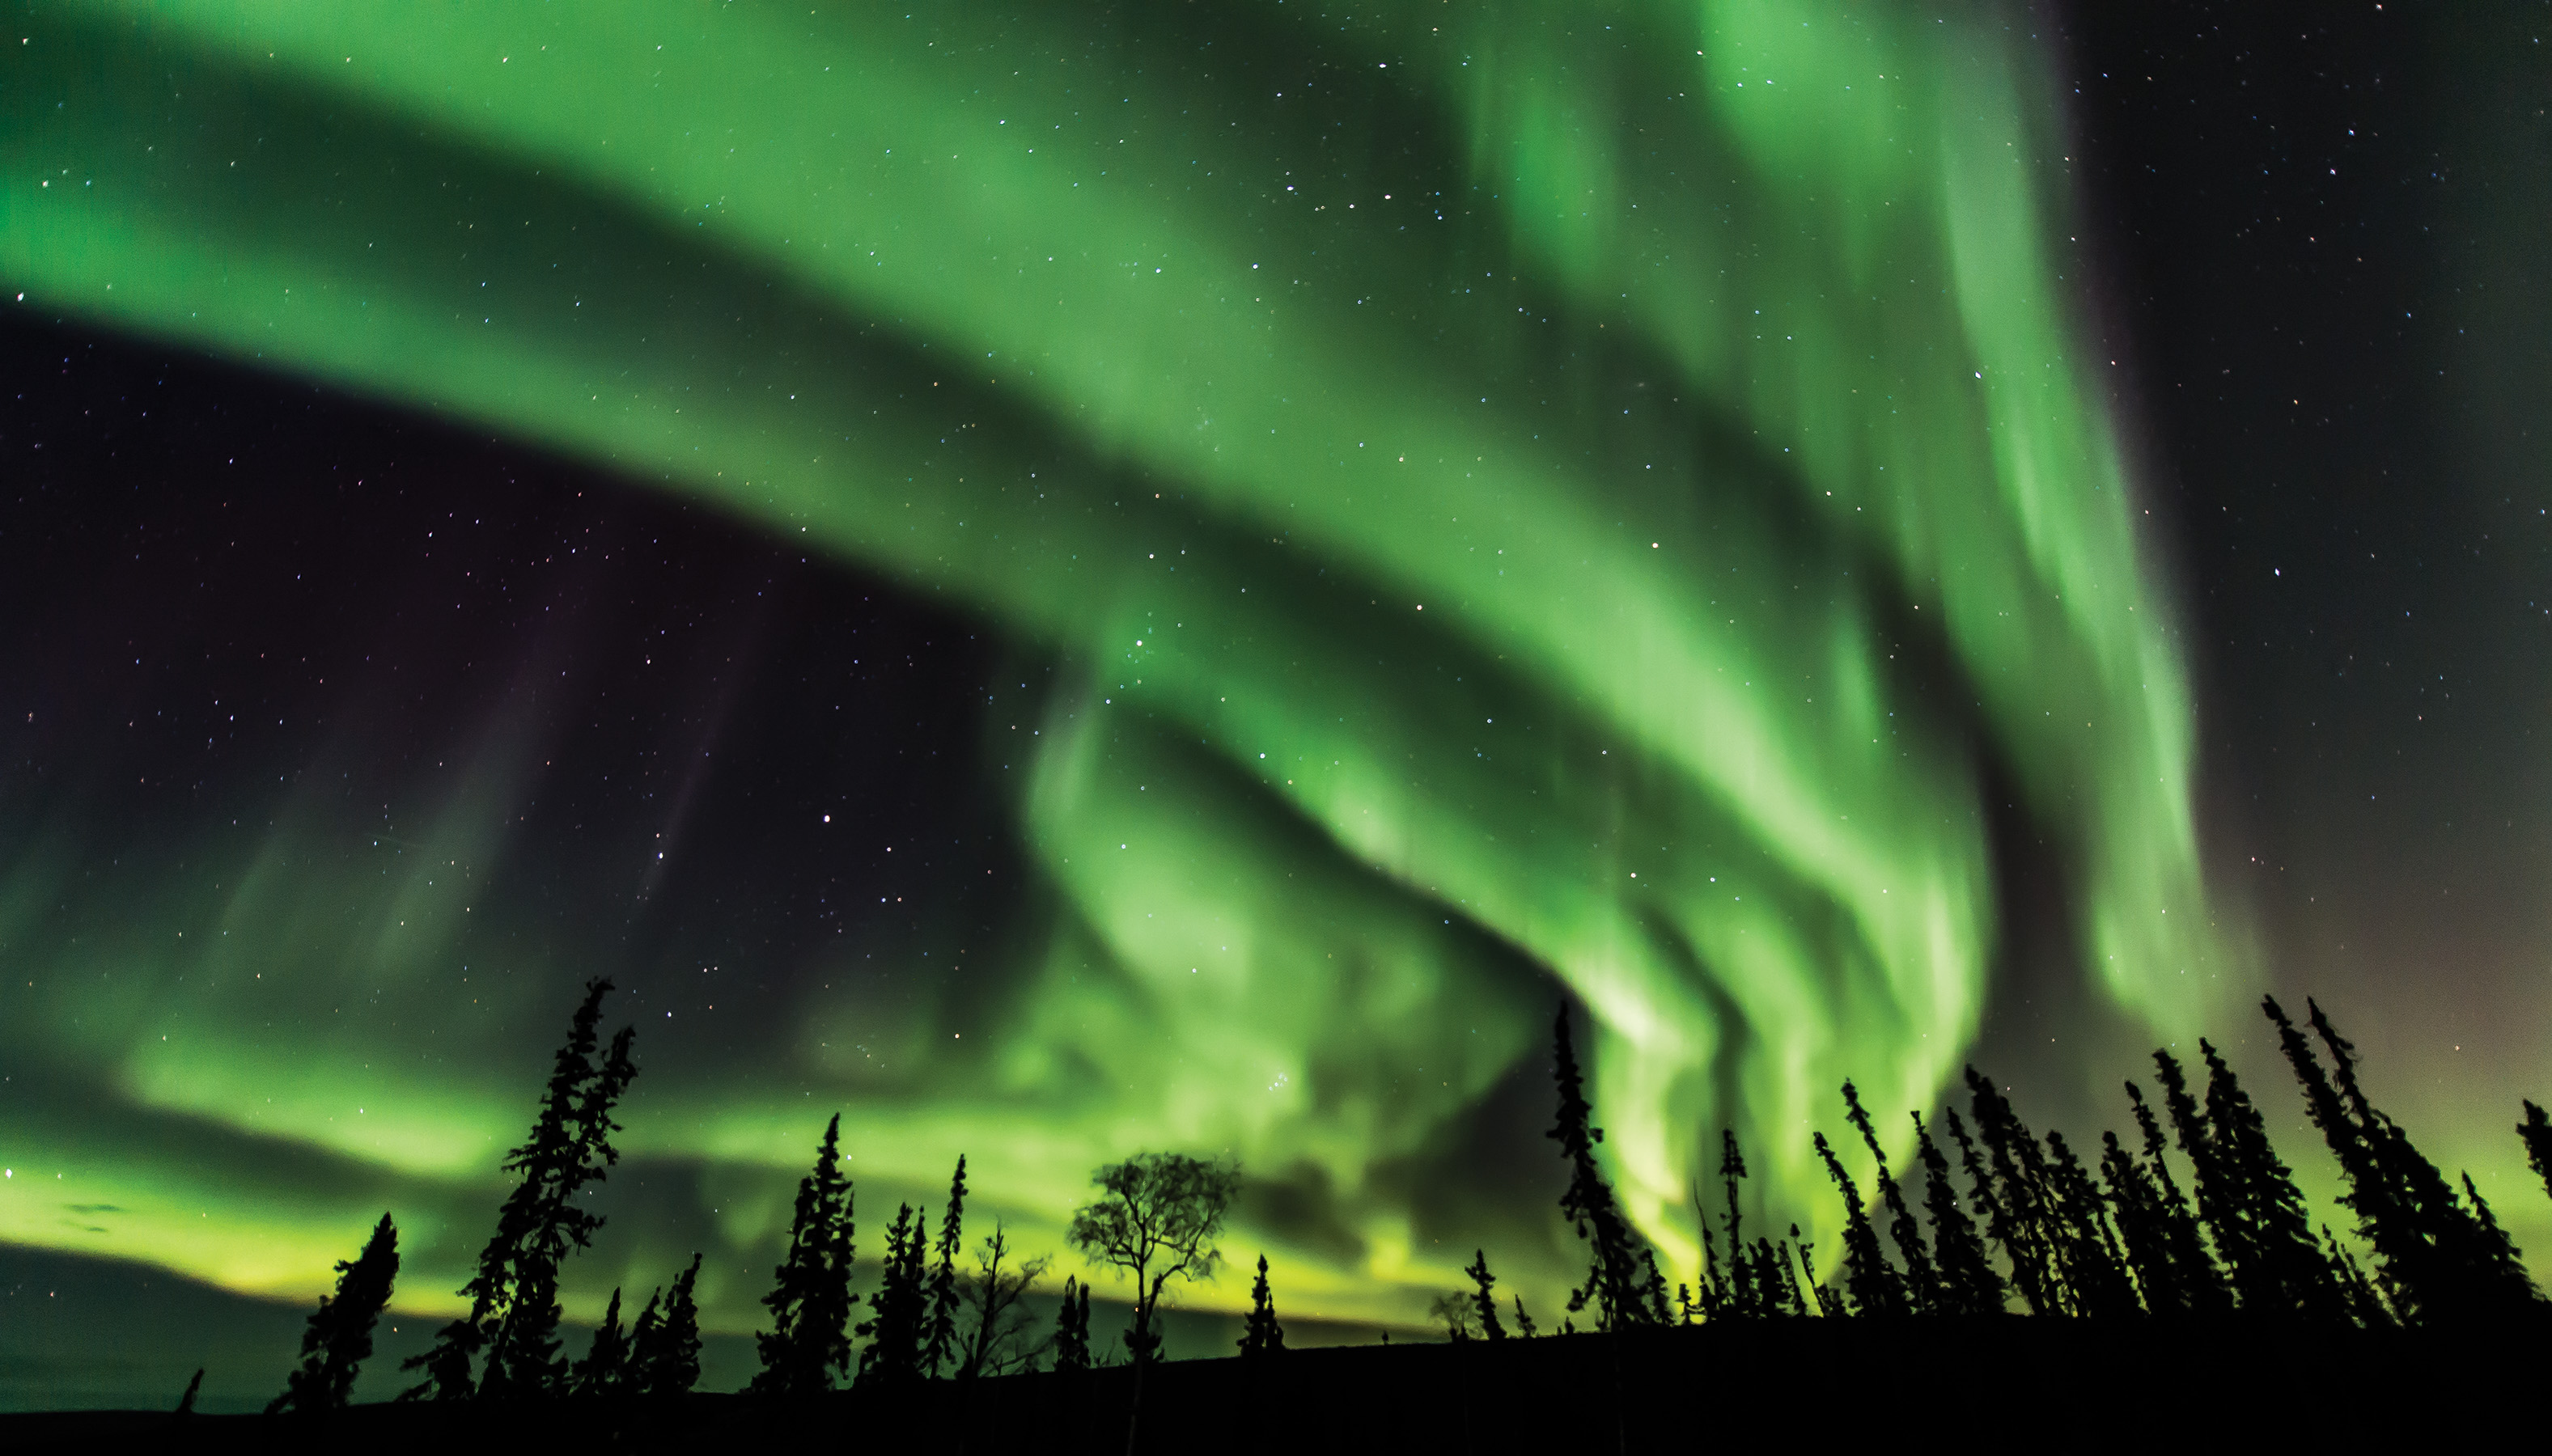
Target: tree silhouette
x=1261 y=1335
x=2142 y=1228
x=604 y=1370
x=677 y=1363
x=2095 y=1273
x=2536 y=1132
x=1525 y=1327
x=1829 y=1302
x=339 y=1338
x=1922 y=1283
x=939 y=1343
x=1869 y=1278
x=2278 y=1266
x=899 y=1312
x=2439 y=1259
x=2014 y=1177
x=1621 y=1292
x=1456 y=1313
x=1484 y=1294
x=809 y=1343
x=1744 y=1289
x=513 y=1297
x=665 y=1344
x=1156 y=1218
x=1969 y=1283
x=991 y=1344
x=186 y=1401
x=2198 y=1281
x=1072 y=1327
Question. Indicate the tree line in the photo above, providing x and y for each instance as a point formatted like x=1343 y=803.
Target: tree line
x=2116 y=1237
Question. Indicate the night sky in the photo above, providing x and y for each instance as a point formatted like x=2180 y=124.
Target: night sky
x=360 y=697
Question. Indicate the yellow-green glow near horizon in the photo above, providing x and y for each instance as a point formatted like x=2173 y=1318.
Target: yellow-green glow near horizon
x=1499 y=484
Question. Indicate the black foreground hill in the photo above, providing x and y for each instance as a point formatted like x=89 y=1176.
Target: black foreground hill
x=2007 y=1383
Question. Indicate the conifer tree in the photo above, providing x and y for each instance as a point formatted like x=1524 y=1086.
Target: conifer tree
x=2439 y=1259
x=1072 y=1327
x=1484 y=1292
x=2198 y=1282
x=2021 y=1219
x=665 y=1344
x=186 y=1401
x=2281 y=1269
x=2536 y=1133
x=1615 y=1283
x=2365 y=1308
x=2095 y=1273
x=1922 y=1281
x=514 y=1313
x=1969 y=1282
x=808 y=1344
x=1261 y=1335
x=1745 y=1288
x=1828 y=1303
x=339 y=1338
x=944 y=1294
x=1524 y=1322
x=604 y=1370
x=2137 y=1206
x=1869 y=1278
x=901 y=1309
x=2218 y=1195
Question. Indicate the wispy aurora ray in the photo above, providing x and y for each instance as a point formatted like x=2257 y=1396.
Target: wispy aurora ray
x=1490 y=469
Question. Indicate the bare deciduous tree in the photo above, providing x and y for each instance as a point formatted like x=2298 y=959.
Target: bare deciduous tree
x=1156 y=1218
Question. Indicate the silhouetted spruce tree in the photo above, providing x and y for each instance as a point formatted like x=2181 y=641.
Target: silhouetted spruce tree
x=513 y=1297
x=2365 y=1306
x=1525 y=1327
x=186 y=1401
x=665 y=1344
x=604 y=1370
x=1969 y=1283
x=1745 y=1287
x=1260 y=1334
x=1921 y=1281
x=2136 y=1204
x=1072 y=1327
x=2095 y=1273
x=2497 y=1256
x=900 y=1309
x=2197 y=1280
x=945 y=1294
x=809 y=1343
x=339 y=1338
x=2439 y=1260
x=1829 y=1302
x=2218 y=1190
x=2536 y=1133
x=1615 y=1283
x=1867 y=1277
x=2283 y=1271
x=1484 y=1290
x=2020 y=1219
x=1710 y=1300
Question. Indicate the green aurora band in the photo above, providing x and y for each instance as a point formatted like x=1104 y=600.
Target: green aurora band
x=1489 y=472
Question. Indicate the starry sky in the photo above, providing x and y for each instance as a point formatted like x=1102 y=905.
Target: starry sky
x=367 y=685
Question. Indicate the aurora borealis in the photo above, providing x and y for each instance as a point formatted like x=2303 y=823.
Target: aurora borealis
x=1442 y=504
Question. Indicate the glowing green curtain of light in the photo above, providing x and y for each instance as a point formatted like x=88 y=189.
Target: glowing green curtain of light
x=1493 y=468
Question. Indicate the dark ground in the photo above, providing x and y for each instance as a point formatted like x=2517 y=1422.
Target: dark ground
x=2010 y=1383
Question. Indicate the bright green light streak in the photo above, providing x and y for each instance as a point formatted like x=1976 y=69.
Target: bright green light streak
x=1532 y=557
